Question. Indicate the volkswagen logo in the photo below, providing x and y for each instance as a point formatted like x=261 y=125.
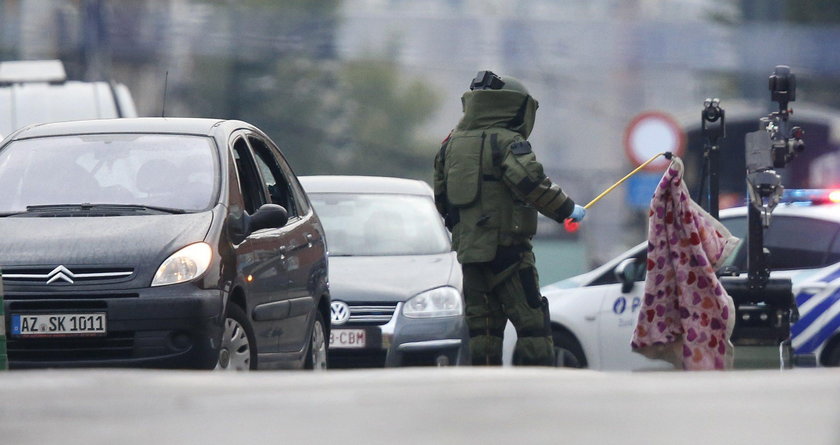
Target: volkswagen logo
x=339 y=312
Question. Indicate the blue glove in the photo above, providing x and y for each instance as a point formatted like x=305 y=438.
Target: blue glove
x=578 y=213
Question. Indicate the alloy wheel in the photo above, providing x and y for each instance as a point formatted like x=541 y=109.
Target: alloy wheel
x=235 y=353
x=318 y=347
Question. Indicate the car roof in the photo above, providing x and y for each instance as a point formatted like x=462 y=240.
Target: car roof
x=364 y=184
x=178 y=125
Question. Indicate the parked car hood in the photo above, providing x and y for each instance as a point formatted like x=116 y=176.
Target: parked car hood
x=131 y=240
x=390 y=278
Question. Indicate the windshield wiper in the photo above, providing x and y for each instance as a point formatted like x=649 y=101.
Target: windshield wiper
x=88 y=206
x=141 y=207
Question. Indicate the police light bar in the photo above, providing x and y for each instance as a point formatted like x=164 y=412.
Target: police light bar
x=811 y=196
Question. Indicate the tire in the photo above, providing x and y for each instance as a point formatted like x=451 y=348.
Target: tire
x=567 y=351
x=316 y=357
x=238 y=351
x=832 y=358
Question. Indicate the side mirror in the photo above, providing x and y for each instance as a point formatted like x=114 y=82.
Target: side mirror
x=625 y=273
x=268 y=216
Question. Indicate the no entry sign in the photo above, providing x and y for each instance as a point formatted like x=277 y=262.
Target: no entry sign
x=650 y=133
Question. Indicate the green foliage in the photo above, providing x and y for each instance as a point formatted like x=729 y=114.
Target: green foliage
x=358 y=117
x=384 y=111
x=816 y=89
x=813 y=11
x=328 y=116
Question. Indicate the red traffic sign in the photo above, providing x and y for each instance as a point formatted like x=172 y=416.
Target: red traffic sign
x=650 y=133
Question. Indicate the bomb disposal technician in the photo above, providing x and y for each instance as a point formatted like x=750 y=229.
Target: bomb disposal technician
x=489 y=187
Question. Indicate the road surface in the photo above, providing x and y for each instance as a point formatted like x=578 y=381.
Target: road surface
x=420 y=406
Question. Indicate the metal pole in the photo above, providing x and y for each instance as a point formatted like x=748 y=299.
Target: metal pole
x=713 y=123
x=758 y=272
x=714 y=181
x=4 y=357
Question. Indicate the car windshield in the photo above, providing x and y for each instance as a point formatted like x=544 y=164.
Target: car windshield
x=152 y=170
x=380 y=224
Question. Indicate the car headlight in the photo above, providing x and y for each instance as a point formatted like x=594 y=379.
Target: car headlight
x=440 y=302
x=184 y=265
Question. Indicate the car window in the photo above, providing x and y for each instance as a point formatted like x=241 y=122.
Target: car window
x=799 y=243
x=249 y=180
x=174 y=171
x=794 y=242
x=380 y=224
x=609 y=276
x=300 y=198
x=834 y=251
x=273 y=177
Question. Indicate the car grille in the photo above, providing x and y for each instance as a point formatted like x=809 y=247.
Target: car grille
x=64 y=276
x=371 y=314
x=40 y=297
x=115 y=345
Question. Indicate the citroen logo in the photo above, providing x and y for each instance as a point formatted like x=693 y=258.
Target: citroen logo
x=60 y=273
x=339 y=312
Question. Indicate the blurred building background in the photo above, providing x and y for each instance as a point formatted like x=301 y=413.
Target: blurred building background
x=373 y=86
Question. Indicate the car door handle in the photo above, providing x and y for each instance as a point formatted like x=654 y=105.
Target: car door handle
x=309 y=239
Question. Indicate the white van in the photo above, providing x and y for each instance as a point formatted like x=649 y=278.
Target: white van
x=37 y=91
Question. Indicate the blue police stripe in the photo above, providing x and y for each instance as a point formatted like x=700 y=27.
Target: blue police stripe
x=820 y=337
x=808 y=319
x=802 y=297
x=831 y=277
x=814 y=313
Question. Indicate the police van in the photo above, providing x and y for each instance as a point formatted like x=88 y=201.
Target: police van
x=37 y=91
x=593 y=315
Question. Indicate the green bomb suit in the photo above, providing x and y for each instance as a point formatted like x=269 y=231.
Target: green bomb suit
x=489 y=187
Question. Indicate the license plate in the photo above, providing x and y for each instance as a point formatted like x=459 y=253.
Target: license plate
x=347 y=338
x=58 y=325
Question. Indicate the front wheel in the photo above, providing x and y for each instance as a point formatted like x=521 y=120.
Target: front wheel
x=567 y=351
x=832 y=359
x=316 y=359
x=238 y=352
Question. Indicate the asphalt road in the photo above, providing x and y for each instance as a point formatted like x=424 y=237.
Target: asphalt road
x=420 y=406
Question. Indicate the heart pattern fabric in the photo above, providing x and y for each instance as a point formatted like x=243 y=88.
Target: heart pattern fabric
x=686 y=315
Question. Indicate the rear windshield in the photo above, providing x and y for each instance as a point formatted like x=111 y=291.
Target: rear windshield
x=172 y=171
x=380 y=224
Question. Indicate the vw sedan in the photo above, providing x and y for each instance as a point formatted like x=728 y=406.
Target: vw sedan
x=395 y=283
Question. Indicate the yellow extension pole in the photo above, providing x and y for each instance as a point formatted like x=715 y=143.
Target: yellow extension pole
x=620 y=181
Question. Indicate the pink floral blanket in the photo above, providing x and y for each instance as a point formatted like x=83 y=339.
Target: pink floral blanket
x=686 y=316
